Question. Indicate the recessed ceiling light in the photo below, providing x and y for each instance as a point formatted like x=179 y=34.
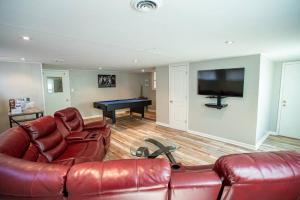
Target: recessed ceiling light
x=229 y=42
x=99 y=68
x=26 y=38
x=135 y=60
x=143 y=70
x=23 y=59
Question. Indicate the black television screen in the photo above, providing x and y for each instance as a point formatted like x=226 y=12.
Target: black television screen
x=221 y=82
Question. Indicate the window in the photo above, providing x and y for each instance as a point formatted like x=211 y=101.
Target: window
x=54 y=84
x=154 y=81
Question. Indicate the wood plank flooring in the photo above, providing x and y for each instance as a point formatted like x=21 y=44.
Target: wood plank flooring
x=194 y=150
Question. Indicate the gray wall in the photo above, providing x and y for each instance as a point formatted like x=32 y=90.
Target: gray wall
x=148 y=91
x=237 y=121
x=162 y=94
x=275 y=95
x=19 y=80
x=83 y=83
x=265 y=97
x=246 y=119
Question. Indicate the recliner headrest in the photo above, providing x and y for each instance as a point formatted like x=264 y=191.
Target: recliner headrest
x=40 y=127
x=255 y=167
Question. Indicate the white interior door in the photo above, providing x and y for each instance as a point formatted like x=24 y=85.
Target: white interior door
x=56 y=90
x=289 y=124
x=178 y=96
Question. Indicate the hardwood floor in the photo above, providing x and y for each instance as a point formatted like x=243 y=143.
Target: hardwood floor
x=194 y=150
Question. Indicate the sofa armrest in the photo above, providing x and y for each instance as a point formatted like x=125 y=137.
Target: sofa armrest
x=114 y=178
x=95 y=125
x=77 y=135
x=25 y=179
x=192 y=184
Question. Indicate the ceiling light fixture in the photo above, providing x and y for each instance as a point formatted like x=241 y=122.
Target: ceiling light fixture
x=99 y=68
x=135 y=60
x=145 y=5
x=229 y=42
x=26 y=38
x=143 y=70
x=23 y=59
x=59 y=60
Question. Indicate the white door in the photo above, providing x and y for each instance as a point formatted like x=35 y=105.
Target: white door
x=178 y=96
x=289 y=124
x=56 y=90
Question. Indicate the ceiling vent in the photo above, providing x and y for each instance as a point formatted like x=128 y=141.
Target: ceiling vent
x=145 y=5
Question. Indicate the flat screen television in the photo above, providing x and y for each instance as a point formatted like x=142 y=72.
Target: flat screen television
x=221 y=82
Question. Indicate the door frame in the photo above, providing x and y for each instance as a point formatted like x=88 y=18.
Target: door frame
x=43 y=85
x=187 y=93
x=283 y=68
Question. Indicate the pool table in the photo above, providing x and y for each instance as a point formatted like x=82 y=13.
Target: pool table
x=109 y=108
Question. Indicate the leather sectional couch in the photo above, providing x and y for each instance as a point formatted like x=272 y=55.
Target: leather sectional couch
x=39 y=161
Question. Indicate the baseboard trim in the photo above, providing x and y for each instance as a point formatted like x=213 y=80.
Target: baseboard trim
x=94 y=116
x=241 y=144
x=151 y=110
x=162 y=124
x=261 y=140
x=273 y=133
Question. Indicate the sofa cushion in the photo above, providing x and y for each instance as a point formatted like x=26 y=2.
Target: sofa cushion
x=83 y=152
x=22 y=179
x=46 y=137
x=120 y=179
x=192 y=183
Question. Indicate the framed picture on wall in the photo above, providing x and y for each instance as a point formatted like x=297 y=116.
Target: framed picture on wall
x=106 y=81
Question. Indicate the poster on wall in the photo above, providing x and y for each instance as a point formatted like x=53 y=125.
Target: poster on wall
x=106 y=81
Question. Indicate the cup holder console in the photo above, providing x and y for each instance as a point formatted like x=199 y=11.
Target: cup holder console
x=175 y=167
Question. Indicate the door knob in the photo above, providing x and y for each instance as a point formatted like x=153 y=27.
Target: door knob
x=67 y=100
x=171 y=101
x=284 y=101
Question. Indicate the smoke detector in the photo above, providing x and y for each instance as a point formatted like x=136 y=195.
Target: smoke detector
x=145 y=5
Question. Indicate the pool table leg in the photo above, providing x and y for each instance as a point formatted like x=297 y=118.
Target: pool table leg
x=140 y=110
x=111 y=115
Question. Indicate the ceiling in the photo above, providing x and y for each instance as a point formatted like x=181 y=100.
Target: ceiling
x=110 y=34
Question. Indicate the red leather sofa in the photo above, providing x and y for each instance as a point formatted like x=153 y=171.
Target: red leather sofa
x=32 y=167
x=70 y=123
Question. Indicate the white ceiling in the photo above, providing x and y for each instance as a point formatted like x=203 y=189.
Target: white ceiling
x=109 y=33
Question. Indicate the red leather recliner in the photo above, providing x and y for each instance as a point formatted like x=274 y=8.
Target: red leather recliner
x=26 y=172
x=70 y=123
x=54 y=147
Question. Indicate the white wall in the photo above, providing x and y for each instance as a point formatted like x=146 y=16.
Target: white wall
x=19 y=80
x=265 y=98
x=237 y=121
